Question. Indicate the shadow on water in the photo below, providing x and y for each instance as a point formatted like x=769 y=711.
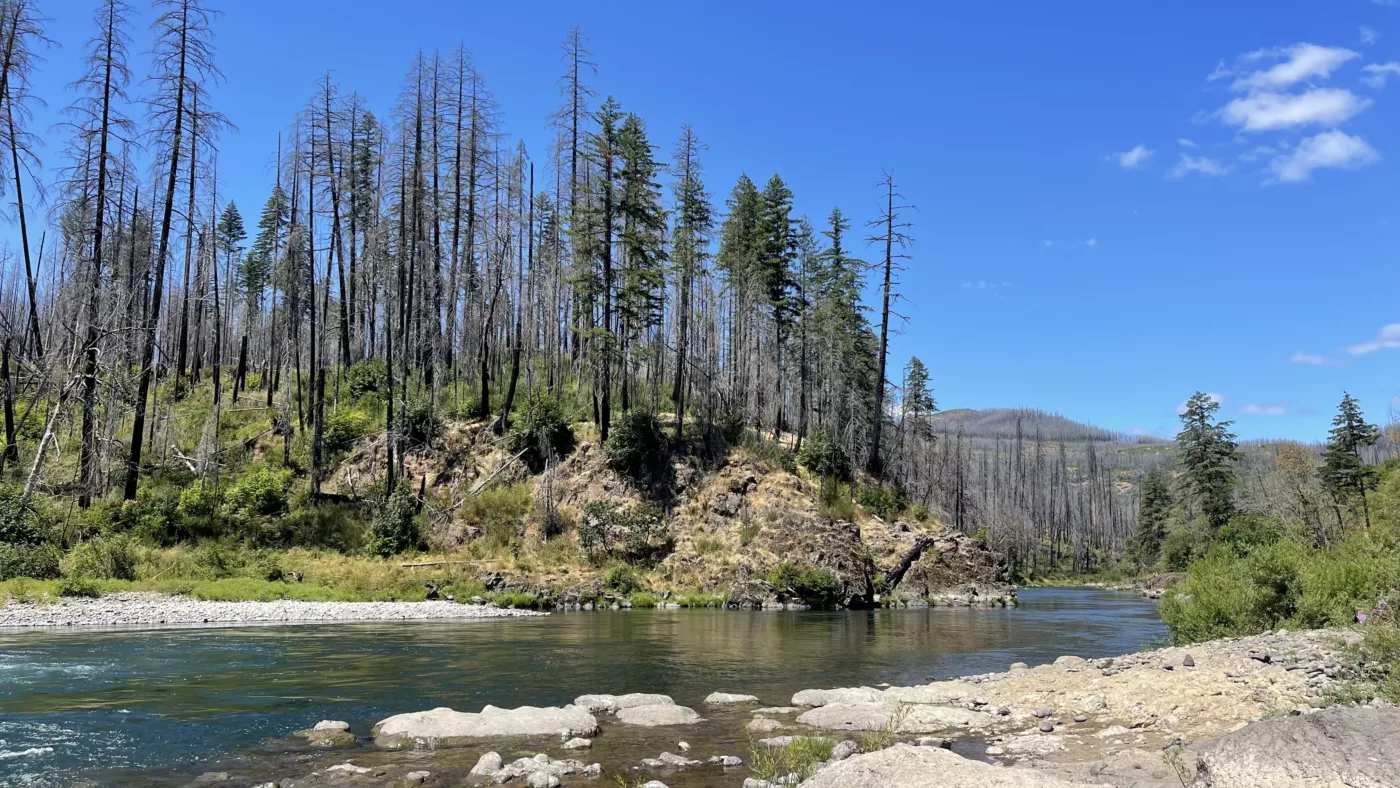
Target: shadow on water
x=162 y=703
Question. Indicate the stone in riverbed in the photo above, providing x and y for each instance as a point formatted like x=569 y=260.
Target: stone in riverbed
x=487 y=765
x=443 y=727
x=843 y=750
x=905 y=766
x=937 y=692
x=613 y=703
x=875 y=716
x=727 y=761
x=329 y=733
x=578 y=744
x=1042 y=713
x=1019 y=666
x=1358 y=747
x=774 y=710
x=719 y=698
x=763 y=725
x=814 y=697
x=658 y=714
x=1188 y=661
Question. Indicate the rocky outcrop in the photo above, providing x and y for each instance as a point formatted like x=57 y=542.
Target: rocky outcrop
x=905 y=766
x=955 y=570
x=1352 y=747
x=443 y=727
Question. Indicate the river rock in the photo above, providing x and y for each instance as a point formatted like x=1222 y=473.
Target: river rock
x=815 y=697
x=443 y=727
x=1355 y=747
x=578 y=744
x=843 y=750
x=540 y=771
x=774 y=710
x=720 y=698
x=763 y=725
x=658 y=714
x=875 y=716
x=905 y=766
x=727 y=761
x=612 y=703
x=487 y=765
x=329 y=733
x=937 y=692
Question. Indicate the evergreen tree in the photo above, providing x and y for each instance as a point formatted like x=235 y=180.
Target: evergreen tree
x=778 y=239
x=1206 y=454
x=1344 y=473
x=1153 y=510
x=641 y=293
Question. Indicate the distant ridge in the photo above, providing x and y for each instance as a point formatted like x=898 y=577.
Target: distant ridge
x=1001 y=423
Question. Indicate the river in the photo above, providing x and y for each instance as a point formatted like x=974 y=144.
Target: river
x=160 y=706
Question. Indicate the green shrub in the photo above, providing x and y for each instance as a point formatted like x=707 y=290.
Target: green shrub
x=421 y=422
x=644 y=600
x=395 y=525
x=885 y=501
x=218 y=559
x=749 y=529
x=20 y=525
x=341 y=430
x=836 y=502
x=102 y=558
x=1185 y=542
x=199 y=502
x=623 y=579
x=1379 y=650
x=636 y=444
x=499 y=512
x=1246 y=533
x=79 y=587
x=38 y=561
x=801 y=756
x=365 y=377
x=154 y=516
x=542 y=431
x=1225 y=595
x=261 y=493
x=823 y=455
x=641 y=535
x=808 y=584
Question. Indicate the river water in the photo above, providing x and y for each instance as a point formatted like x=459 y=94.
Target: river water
x=160 y=706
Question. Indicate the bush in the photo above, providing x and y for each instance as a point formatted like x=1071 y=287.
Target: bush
x=395 y=527
x=39 y=561
x=1185 y=542
x=823 y=456
x=499 y=512
x=341 y=430
x=154 y=515
x=199 y=502
x=79 y=587
x=19 y=525
x=623 y=579
x=542 y=431
x=103 y=558
x=636 y=444
x=421 y=422
x=808 y=584
x=641 y=535
x=643 y=601
x=365 y=377
x=885 y=501
x=261 y=493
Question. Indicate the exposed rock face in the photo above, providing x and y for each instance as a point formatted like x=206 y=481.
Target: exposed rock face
x=444 y=727
x=1352 y=747
x=832 y=546
x=956 y=570
x=905 y=766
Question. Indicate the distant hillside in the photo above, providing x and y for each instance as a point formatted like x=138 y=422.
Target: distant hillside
x=1001 y=423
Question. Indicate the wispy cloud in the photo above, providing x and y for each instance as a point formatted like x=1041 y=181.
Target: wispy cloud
x=1298 y=63
x=1257 y=409
x=1377 y=73
x=982 y=284
x=1329 y=150
x=1270 y=111
x=1188 y=164
x=1388 y=338
x=1186 y=143
x=1132 y=159
x=1368 y=36
x=1091 y=243
x=1308 y=358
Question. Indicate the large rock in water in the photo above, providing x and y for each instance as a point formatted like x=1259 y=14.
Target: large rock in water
x=1351 y=747
x=875 y=716
x=612 y=703
x=904 y=766
x=443 y=727
x=658 y=714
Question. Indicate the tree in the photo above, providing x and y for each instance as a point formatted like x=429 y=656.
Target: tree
x=690 y=241
x=1153 y=509
x=604 y=153
x=777 y=250
x=893 y=235
x=1206 y=454
x=1344 y=472
x=642 y=291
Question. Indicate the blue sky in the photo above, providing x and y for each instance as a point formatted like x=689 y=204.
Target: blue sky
x=1119 y=203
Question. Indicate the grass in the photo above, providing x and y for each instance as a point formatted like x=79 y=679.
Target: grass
x=698 y=600
x=644 y=600
x=801 y=756
x=879 y=739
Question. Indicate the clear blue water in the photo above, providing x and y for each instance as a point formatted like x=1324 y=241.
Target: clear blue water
x=147 y=707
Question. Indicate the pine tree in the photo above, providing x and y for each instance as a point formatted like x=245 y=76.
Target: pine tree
x=1344 y=473
x=641 y=293
x=1206 y=453
x=604 y=152
x=777 y=239
x=1153 y=510
x=690 y=242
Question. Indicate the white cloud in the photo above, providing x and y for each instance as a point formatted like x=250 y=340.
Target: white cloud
x=1368 y=36
x=982 y=284
x=1188 y=164
x=1330 y=149
x=1269 y=111
x=1091 y=243
x=1131 y=160
x=1216 y=398
x=1048 y=244
x=1376 y=73
x=1389 y=337
x=1185 y=143
x=1264 y=410
x=1301 y=62
x=1307 y=358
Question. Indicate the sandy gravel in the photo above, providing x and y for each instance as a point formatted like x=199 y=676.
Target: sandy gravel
x=143 y=609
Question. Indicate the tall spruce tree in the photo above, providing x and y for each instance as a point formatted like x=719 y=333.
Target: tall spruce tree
x=1345 y=474
x=1207 y=455
x=1153 y=510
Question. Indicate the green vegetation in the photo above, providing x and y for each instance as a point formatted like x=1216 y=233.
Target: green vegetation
x=541 y=432
x=807 y=584
x=882 y=737
x=802 y=756
x=640 y=535
x=885 y=501
x=636 y=444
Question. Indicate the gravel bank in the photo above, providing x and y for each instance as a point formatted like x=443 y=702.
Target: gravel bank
x=140 y=609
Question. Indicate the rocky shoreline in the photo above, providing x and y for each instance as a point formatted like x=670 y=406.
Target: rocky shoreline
x=146 y=609
x=1238 y=713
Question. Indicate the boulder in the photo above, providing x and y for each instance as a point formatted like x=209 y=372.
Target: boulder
x=329 y=733
x=816 y=697
x=658 y=714
x=905 y=766
x=443 y=727
x=578 y=744
x=937 y=692
x=721 y=698
x=612 y=703
x=763 y=725
x=1356 y=747
x=875 y=716
x=487 y=765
